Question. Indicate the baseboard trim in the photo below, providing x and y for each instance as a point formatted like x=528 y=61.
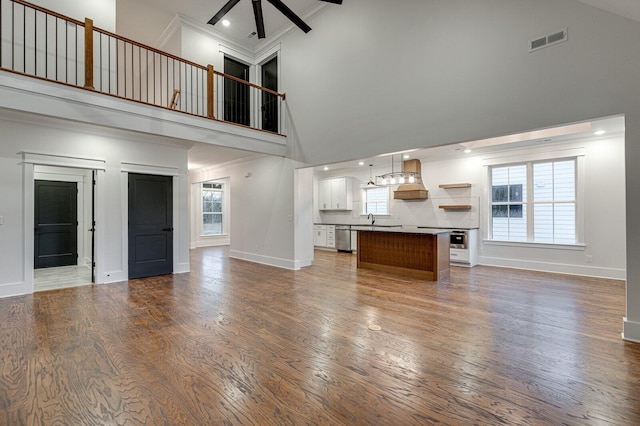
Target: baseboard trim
x=558 y=268
x=214 y=243
x=181 y=268
x=264 y=260
x=12 y=289
x=630 y=330
x=114 y=277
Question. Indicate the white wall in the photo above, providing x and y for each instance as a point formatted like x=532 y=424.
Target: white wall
x=603 y=207
x=262 y=209
x=103 y=12
x=118 y=152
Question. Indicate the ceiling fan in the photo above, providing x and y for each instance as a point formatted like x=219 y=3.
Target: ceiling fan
x=257 y=13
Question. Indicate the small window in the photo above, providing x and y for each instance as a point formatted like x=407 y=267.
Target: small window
x=376 y=200
x=212 y=196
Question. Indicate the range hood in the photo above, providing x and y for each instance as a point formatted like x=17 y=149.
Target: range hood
x=411 y=191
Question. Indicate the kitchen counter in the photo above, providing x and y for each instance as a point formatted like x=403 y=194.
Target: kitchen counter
x=412 y=251
x=400 y=228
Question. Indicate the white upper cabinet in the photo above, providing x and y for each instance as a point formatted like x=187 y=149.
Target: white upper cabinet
x=324 y=194
x=335 y=194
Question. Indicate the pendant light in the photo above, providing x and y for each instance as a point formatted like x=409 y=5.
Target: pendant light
x=371 y=182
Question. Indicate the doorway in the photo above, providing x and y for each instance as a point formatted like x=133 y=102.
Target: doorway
x=236 y=94
x=150 y=225
x=63 y=209
x=269 y=100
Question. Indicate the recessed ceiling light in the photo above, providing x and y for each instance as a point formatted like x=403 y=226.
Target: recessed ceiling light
x=599 y=132
x=226 y=22
x=361 y=163
x=326 y=168
x=466 y=151
x=407 y=156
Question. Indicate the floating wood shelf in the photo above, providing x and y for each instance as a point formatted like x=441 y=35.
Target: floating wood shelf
x=454 y=185
x=455 y=206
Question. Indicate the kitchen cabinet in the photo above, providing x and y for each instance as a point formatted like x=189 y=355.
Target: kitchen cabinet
x=331 y=236
x=335 y=194
x=324 y=236
x=320 y=235
x=324 y=194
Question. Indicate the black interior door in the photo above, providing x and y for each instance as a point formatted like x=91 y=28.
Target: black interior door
x=269 y=100
x=236 y=94
x=150 y=225
x=56 y=224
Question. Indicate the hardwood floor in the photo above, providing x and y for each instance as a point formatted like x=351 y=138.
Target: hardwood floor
x=240 y=343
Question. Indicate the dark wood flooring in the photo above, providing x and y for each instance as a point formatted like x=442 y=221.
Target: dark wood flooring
x=239 y=343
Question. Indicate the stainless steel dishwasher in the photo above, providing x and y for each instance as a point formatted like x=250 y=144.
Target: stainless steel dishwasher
x=343 y=238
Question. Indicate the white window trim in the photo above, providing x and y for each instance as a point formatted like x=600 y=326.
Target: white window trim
x=202 y=212
x=579 y=155
x=226 y=211
x=364 y=202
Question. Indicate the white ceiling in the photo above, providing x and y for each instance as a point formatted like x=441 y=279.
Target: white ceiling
x=240 y=17
x=627 y=8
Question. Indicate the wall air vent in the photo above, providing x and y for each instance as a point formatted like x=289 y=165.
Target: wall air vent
x=548 y=40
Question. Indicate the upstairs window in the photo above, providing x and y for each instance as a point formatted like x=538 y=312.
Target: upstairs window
x=376 y=200
x=212 y=196
x=534 y=201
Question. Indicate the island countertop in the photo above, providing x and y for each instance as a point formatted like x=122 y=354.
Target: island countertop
x=404 y=229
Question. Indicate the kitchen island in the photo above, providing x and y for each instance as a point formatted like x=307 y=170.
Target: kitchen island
x=412 y=251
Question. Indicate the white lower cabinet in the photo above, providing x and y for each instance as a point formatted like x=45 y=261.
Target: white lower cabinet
x=331 y=236
x=320 y=235
x=459 y=255
x=468 y=256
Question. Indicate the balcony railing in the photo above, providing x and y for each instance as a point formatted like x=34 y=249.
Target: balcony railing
x=41 y=43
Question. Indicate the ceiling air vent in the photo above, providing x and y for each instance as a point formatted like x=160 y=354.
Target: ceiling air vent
x=548 y=40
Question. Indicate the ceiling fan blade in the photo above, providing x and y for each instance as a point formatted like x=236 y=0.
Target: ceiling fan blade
x=333 y=1
x=227 y=7
x=257 y=13
x=290 y=14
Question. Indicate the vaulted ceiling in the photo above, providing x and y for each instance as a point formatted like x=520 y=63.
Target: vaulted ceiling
x=159 y=13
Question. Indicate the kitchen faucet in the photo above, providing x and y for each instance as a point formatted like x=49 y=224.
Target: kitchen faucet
x=373 y=219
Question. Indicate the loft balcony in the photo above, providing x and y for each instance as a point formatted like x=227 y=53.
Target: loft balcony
x=57 y=66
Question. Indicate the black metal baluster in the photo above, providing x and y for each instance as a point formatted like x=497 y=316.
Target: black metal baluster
x=24 y=39
x=76 y=59
x=35 y=43
x=46 y=46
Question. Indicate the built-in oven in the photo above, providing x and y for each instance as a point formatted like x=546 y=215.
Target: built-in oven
x=459 y=239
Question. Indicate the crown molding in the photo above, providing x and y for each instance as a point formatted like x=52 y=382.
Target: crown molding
x=259 y=50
